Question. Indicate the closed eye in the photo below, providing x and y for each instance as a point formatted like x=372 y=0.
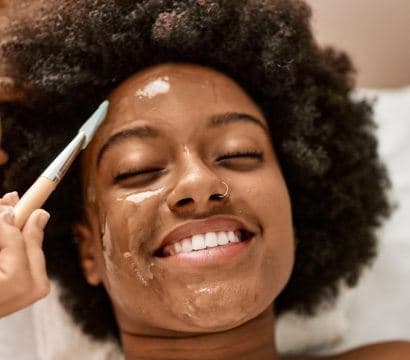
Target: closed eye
x=241 y=160
x=149 y=172
x=253 y=154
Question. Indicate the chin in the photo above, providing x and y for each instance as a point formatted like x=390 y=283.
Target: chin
x=223 y=323
x=217 y=315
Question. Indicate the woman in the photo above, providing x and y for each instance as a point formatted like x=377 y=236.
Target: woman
x=228 y=129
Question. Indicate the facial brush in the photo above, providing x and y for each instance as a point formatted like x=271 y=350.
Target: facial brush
x=47 y=182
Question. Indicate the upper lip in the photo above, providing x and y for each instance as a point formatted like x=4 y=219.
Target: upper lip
x=194 y=227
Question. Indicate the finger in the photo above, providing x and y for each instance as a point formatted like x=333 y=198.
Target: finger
x=33 y=233
x=10 y=199
x=10 y=236
x=12 y=245
x=8 y=208
x=33 y=230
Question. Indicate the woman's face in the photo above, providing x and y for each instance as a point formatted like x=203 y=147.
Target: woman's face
x=152 y=175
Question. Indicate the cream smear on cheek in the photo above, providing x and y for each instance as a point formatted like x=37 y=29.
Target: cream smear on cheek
x=140 y=197
x=105 y=231
x=129 y=256
x=144 y=275
x=107 y=246
x=115 y=257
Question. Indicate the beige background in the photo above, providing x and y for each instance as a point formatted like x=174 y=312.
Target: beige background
x=376 y=33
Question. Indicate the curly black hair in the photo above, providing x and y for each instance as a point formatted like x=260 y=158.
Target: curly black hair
x=69 y=55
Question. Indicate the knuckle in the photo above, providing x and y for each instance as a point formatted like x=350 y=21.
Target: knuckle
x=12 y=235
x=6 y=207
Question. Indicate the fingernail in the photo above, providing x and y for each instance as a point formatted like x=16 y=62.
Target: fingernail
x=14 y=195
x=42 y=219
x=8 y=216
x=11 y=195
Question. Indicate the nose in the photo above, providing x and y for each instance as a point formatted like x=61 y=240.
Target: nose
x=198 y=191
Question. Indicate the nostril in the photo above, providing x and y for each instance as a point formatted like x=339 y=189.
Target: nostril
x=185 y=201
x=215 y=197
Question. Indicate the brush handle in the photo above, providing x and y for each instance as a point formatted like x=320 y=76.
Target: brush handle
x=38 y=193
x=33 y=199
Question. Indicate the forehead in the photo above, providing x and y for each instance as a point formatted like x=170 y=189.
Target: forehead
x=173 y=90
x=178 y=96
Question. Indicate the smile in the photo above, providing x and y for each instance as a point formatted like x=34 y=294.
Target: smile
x=208 y=241
x=205 y=241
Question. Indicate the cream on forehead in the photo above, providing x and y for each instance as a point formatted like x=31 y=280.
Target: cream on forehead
x=154 y=88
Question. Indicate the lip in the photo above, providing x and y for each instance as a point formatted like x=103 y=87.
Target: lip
x=211 y=224
x=218 y=256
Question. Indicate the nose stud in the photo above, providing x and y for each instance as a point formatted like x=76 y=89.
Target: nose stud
x=226 y=193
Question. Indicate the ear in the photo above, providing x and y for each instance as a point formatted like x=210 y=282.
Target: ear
x=8 y=90
x=87 y=247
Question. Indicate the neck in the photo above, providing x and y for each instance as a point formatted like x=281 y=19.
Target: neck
x=252 y=340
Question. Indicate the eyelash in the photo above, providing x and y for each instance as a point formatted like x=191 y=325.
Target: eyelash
x=255 y=154
x=131 y=173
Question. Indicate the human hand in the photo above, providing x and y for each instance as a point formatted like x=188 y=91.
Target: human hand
x=23 y=276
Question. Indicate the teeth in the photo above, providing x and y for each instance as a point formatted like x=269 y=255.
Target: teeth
x=222 y=238
x=198 y=242
x=178 y=247
x=202 y=241
x=186 y=245
x=232 y=237
x=211 y=240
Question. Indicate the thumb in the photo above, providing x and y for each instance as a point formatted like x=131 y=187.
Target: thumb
x=33 y=230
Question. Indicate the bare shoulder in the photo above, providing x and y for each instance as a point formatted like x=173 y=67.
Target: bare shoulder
x=393 y=350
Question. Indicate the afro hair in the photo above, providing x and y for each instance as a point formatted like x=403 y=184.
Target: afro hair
x=68 y=56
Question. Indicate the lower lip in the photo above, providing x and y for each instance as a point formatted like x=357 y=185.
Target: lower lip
x=210 y=256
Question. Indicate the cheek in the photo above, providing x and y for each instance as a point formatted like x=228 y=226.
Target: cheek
x=278 y=232
x=127 y=228
x=267 y=198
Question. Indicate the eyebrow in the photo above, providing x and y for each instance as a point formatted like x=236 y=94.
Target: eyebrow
x=141 y=132
x=234 y=117
x=146 y=131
